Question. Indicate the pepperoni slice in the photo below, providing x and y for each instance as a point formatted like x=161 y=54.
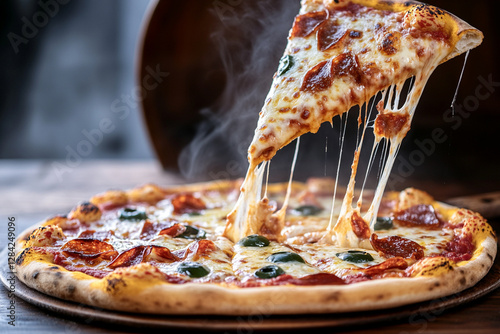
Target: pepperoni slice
x=390 y=124
x=129 y=258
x=360 y=227
x=200 y=248
x=304 y=25
x=87 y=247
x=140 y=254
x=150 y=229
x=174 y=230
x=98 y=235
x=187 y=203
x=318 y=78
x=318 y=279
x=392 y=263
x=159 y=254
x=329 y=34
x=419 y=215
x=395 y=246
x=314 y=279
x=347 y=64
x=460 y=248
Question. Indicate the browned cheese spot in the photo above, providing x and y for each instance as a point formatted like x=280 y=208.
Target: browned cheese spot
x=390 y=43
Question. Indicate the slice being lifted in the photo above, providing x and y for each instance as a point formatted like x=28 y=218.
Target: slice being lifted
x=341 y=53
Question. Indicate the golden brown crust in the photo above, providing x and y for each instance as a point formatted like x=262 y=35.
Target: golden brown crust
x=142 y=288
x=133 y=290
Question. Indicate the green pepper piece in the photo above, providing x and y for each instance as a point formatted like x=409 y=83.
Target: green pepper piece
x=280 y=257
x=307 y=210
x=286 y=63
x=355 y=256
x=383 y=223
x=192 y=232
x=132 y=214
x=270 y=271
x=193 y=269
x=254 y=240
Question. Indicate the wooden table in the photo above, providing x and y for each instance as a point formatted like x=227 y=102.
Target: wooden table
x=31 y=191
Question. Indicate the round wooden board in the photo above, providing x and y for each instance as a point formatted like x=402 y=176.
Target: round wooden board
x=248 y=323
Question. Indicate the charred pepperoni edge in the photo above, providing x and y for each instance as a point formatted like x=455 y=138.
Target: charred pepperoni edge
x=305 y=24
x=459 y=248
x=395 y=246
x=187 y=203
x=420 y=215
x=360 y=227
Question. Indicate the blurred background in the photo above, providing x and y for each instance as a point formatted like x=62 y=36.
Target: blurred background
x=75 y=74
x=64 y=63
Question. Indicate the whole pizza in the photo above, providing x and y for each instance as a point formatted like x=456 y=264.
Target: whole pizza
x=245 y=246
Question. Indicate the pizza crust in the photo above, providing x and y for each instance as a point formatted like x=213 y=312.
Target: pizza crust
x=141 y=288
x=132 y=289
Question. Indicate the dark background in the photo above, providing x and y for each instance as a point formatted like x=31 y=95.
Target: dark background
x=220 y=57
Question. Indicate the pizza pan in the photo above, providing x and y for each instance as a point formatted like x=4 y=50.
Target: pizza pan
x=251 y=322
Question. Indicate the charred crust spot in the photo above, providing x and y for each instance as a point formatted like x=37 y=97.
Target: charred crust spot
x=54 y=267
x=88 y=208
x=25 y=277
x=55 y=283
x=58 y=274
x=333 y=296
x=71 y=289
x=22 y=256
x=114 y=283
x=35 y=274
x=462 y=281
x=489 y=256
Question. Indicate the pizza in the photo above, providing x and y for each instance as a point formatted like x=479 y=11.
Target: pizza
x=162 y=250
x=340 y=54
x=246 y=246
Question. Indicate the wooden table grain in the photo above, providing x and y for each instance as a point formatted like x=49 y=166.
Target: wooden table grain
x=32 y=190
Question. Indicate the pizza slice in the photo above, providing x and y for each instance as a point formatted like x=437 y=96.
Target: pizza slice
x=341 y=53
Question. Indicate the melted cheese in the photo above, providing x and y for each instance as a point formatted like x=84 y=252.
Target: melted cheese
x=384 y=54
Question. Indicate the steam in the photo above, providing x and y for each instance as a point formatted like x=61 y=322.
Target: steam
x=250 y=44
